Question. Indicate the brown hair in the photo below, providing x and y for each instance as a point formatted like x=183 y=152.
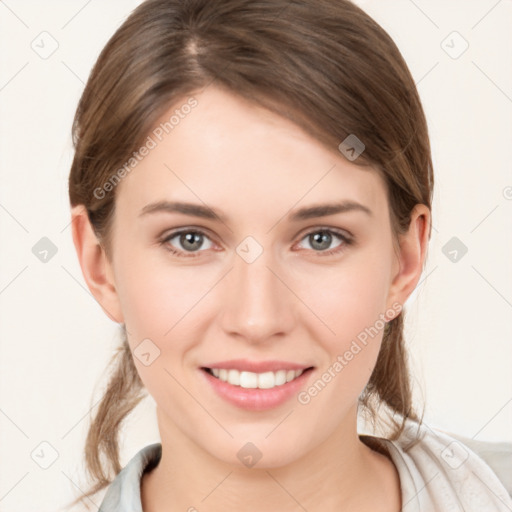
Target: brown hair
x=324 y=64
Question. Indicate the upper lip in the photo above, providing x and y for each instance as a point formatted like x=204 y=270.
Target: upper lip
x=257 y=366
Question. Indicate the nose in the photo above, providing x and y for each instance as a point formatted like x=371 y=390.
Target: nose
x=258 y=305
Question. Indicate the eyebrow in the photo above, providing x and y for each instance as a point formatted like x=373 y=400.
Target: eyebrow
x=309 y=212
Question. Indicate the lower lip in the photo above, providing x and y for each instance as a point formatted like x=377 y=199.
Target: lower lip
x=255 y=399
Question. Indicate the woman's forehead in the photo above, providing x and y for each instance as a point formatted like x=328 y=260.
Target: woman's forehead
x=227 y=148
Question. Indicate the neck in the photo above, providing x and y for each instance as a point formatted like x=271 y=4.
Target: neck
x=340 y=474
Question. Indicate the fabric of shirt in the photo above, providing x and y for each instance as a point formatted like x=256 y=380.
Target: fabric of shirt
x=443 y=472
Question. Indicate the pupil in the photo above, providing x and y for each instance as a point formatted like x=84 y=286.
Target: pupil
x=189 y=239
x=322 y=236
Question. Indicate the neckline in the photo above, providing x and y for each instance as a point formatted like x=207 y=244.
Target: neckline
x=151 y=455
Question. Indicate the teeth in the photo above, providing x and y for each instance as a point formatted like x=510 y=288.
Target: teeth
x=233 y=377
x=251 y=380
x=266 y=380
x=281 y=377
x=248 y=380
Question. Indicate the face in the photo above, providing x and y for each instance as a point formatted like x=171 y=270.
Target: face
x=264 y=289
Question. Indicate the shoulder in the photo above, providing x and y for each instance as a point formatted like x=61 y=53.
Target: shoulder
x=444 y=471
x=124 y=492
x=497 y=455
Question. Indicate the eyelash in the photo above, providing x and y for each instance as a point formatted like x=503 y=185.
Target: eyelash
x=347 y=241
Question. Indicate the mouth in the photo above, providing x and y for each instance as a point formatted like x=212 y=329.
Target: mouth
x=256 y=385
x=253 y=380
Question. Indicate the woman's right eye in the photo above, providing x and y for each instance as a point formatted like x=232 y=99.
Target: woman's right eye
x=190 y=240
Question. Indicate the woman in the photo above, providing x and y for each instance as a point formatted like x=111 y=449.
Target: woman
x=251 y=200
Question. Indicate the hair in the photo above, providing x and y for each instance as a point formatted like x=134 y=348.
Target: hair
x=325 y=65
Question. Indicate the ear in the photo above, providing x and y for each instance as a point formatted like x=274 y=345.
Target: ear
x=96 y=268
x=411 y=255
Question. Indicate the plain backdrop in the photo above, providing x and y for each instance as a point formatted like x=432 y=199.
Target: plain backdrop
x=55 y=338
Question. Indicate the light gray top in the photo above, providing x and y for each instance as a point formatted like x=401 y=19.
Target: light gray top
x=443 y=472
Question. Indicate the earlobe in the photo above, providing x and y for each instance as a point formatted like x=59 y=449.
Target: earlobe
x=94 y=264
x=412 y=254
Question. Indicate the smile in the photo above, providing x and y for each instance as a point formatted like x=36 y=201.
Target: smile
x=255 y=385
x=251 y=380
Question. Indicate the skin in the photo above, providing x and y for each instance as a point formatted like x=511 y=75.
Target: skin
x=292 y=303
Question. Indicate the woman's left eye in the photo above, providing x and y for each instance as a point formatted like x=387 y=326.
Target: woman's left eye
x=192 y=240
x=322 y=239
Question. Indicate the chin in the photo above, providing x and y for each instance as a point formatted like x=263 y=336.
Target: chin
x=255 y=448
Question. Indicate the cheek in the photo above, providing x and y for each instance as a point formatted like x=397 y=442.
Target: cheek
x=163 y=306
x=156 y=296
x=158 y=306
x=351 y=306
x=349 y=303
x=348 y=299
